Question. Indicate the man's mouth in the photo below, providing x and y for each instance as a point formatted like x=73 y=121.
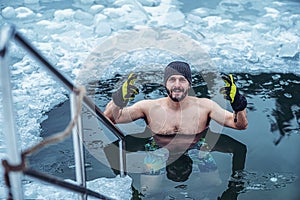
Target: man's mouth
x=177 y=90
x=177 y=94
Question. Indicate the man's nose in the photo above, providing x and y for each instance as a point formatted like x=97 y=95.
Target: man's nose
x=177 y=82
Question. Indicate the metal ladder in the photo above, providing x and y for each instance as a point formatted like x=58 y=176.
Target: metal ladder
x=8 y=33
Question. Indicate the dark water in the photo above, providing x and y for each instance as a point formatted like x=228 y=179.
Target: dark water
x=272 y=141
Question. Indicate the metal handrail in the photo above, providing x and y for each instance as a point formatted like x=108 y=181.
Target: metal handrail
x=94 y=109
x=9 y=128
x=11 y=33
x=68 y=84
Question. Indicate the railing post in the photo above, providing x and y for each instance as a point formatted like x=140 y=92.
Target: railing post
x=9 y=127
x=122 y=156
x=78 y=145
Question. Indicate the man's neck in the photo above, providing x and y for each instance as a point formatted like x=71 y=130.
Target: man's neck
x=176 y=105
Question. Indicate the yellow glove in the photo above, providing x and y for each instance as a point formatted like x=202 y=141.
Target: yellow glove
x=231 y=93
x=126 y=92
x=230 y=90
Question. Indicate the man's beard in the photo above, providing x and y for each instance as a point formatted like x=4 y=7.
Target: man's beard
x=177 y=98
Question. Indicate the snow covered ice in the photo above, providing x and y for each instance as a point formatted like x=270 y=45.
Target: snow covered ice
x=116 y=188
x=66 y=32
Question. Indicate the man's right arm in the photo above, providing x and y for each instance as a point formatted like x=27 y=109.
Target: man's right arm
x=116 y=109
x=124 y=115
x=112 y=111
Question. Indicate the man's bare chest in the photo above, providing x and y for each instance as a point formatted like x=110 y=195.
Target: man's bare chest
x=189 y=121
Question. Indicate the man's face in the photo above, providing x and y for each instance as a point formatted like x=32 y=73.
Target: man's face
x=177 y=86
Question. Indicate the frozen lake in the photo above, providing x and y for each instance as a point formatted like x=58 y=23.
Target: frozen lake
x=258 y=41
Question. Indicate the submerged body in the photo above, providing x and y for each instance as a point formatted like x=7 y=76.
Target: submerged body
x=178 y=142
x=186 y=119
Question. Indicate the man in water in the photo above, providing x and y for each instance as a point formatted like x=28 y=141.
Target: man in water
x=179 y=121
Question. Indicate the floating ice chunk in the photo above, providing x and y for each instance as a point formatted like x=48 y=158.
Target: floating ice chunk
x=116 y=188
x=166 y=14
x=87 y=1
x=231 y=6
x=83 y=17
x=149 y=2
x=175 y=19
x=23 y=12
x=31 y=1
x=279 y=3
x=99 y=18
x=50 y=25
x=213 y=21
x=122 y=2
x=289 y=37
x=252 y=57
x=289 y=21
x=96 y=9
x=288 y=50
x=8 y=12
x=130 y=5
x=261 y=27
x=194 y=18
x=46 y=1
x=126 y=16
x=203 y=12
x=288 y=95
x=35 y=190
x=103 y=28
x=137 y=17
x=117 y=12
x=273 y=179
x=271 y=12
x=61 y=15
x=276 y=77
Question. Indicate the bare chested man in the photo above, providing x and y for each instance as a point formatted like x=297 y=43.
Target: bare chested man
x=178 y=121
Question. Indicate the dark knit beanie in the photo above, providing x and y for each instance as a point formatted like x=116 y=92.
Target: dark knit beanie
x=178 y=68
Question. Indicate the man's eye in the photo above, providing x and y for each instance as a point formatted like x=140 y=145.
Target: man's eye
x=182 y=79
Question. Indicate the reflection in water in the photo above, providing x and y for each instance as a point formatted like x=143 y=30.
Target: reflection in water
x=284 y=88
x=180 y=169
x=227 y=144
x=233 y=190
x=178 y=166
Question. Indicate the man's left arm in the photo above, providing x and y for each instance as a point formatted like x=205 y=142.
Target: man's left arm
x=229 y=119
x=240 y=120
x=238 y=103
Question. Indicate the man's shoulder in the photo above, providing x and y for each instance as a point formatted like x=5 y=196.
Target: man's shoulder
x=201 y=102
x=146 y=105
x=199 y=99
x=149 y=102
